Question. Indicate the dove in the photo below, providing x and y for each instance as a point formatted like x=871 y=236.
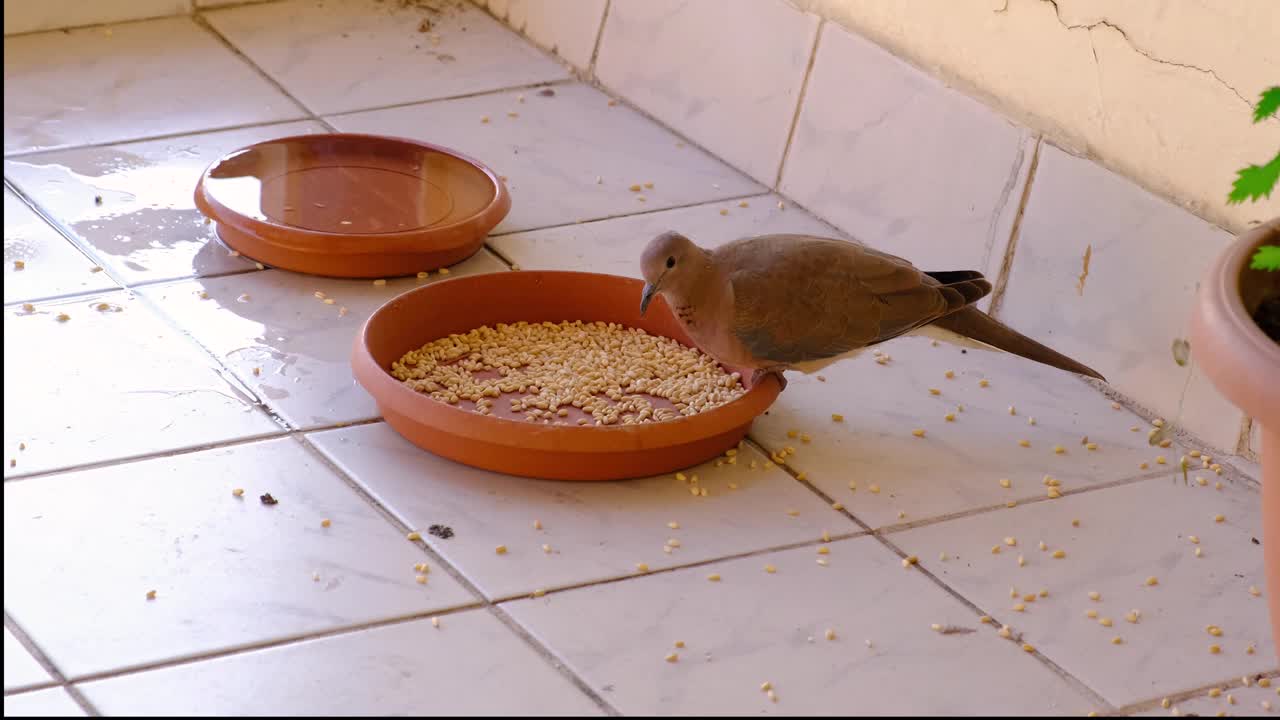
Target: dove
x=774 y=303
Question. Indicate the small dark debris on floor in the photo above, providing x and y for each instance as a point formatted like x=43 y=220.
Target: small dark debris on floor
x=424 y=26
x=956 y=630
x=547 y=92
x=1255 y=541
x=267 y=499
x=444 y=532
x=97 y=199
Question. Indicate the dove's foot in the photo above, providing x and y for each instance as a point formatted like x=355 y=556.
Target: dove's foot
x=759 y=375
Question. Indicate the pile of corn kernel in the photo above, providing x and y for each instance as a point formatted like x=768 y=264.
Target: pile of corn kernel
x=609 y=371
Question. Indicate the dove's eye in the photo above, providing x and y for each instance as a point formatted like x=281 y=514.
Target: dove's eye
x=671 y=262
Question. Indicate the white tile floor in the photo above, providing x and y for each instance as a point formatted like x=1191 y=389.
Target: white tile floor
x=127 y=428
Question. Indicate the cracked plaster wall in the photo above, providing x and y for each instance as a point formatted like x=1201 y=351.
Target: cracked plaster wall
x=1157 y=90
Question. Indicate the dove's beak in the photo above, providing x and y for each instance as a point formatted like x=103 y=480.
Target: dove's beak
x=647 y=296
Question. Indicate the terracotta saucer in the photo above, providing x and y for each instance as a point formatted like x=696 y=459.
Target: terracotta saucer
x=356 y=206
x=516 y=447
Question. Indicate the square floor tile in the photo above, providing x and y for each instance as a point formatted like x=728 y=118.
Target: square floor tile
x=958 y=464
x=51 y=265
x=739 y=105
x=1126 y=535
x=596 y=530
x=289 y=347
x=133 y=80
x=227 y=570
x=357 y=54
x=902 y=163
x=555 y=149
x=146 y=226
x=1076 y=205
x=110 y=383
x=614 y=246
x=20 y=668
x=403 y=669
x=54 y=702
x=753 y=627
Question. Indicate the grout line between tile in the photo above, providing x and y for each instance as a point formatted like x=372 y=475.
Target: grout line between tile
x=180 y=660
x=1006 y=266
x=685 y=566
x=595 y=49
x=447 y=98
x=49 y=666
x=23 y=154
x=804 y=89
x=402 y=525
x=1071 y=680
x=1181 y=696
x=647 y=211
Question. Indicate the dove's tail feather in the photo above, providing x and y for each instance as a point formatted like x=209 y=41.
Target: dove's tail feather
x=975 y=324
x=962 y=287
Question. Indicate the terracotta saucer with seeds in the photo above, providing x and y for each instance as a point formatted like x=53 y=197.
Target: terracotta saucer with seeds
x=538 y=450
x=349 y=205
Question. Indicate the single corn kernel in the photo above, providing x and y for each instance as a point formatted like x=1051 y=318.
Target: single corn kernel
x=935 y=391
x=823 y=562
x=1091 y=614
x=770 y=569
x=1059 y=450
x=1013 y=410
x=1004 y=483
x=995 y=549
x=766 y=686
x=949 y=374
x=537 y=524
x=1043 y=546
x=1011 y=541
x=325 y=523
x=1059 y=554
x=1160 y=460
x=642 y=567
x=1021 y=561
x=151 y=594
x=1254 y=591
x=673 y=525
x=830 y=634
x=949 y=417
x=420 y=579
x=1019 y=607
x=875 y=489
x=1117 y=640
x=1004 y=631
x=910 y=560
x=1094 y=595
x=238 y=492
x=1165 y=703
x=824 y=550
x=1024 y=443
x=1153 y=580
x=546 y=549
x=714 y=577
x=1213 y=630
x=672 y=658
x=1028 y=647
x=1219 y=518
x=918 y=432
x=415 y=535
x=1214 y=649
x=836 y=417
x=985 y=619
x=420 y=567
x=1091 y=446
x=1195 y=539
x=1199 y=552
x=1105 y=622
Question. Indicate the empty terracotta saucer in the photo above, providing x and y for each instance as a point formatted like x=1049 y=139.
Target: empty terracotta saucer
x=516 y=447
x=348 y=205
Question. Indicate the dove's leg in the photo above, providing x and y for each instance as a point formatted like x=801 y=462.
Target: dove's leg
x=760 y=373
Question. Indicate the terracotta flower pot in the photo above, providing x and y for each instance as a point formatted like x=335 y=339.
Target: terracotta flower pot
x=1244 y=364
x=510 y=445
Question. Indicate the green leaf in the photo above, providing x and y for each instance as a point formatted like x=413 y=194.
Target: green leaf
x=1255 y=181
x=1267 y=258
x=1267 y=105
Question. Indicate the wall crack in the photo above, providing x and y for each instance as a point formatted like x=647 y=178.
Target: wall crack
x=1057 y=11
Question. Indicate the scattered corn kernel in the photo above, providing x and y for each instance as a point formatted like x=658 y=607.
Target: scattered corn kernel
x=1214 y=649
x=1199 y=552
x=830 y=634
x=238 y=492
x=1254 y=591
x=415 y=535
x=1059 y=450
x=1018 y=607
x=1004 y=631
x=1091 y=614
x=642 y=567
x=875 y=489
x=1059 y=554
x=1028 y=647
x=1213 y=630
x=1105 y=622
x=1117 y=640
x=1153 y=580
x=714 y=577
x=1219 y=518
x=1024 y=443
x=672 y=657
x=910 y=560
x=919 y=432
x=325 y=523
x=770 y=569
x=949 y=374
x=836 y=417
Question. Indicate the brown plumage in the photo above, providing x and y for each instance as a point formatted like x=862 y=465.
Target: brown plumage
x=782 y=302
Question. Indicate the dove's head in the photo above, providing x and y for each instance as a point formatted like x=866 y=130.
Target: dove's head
x=670 y=265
